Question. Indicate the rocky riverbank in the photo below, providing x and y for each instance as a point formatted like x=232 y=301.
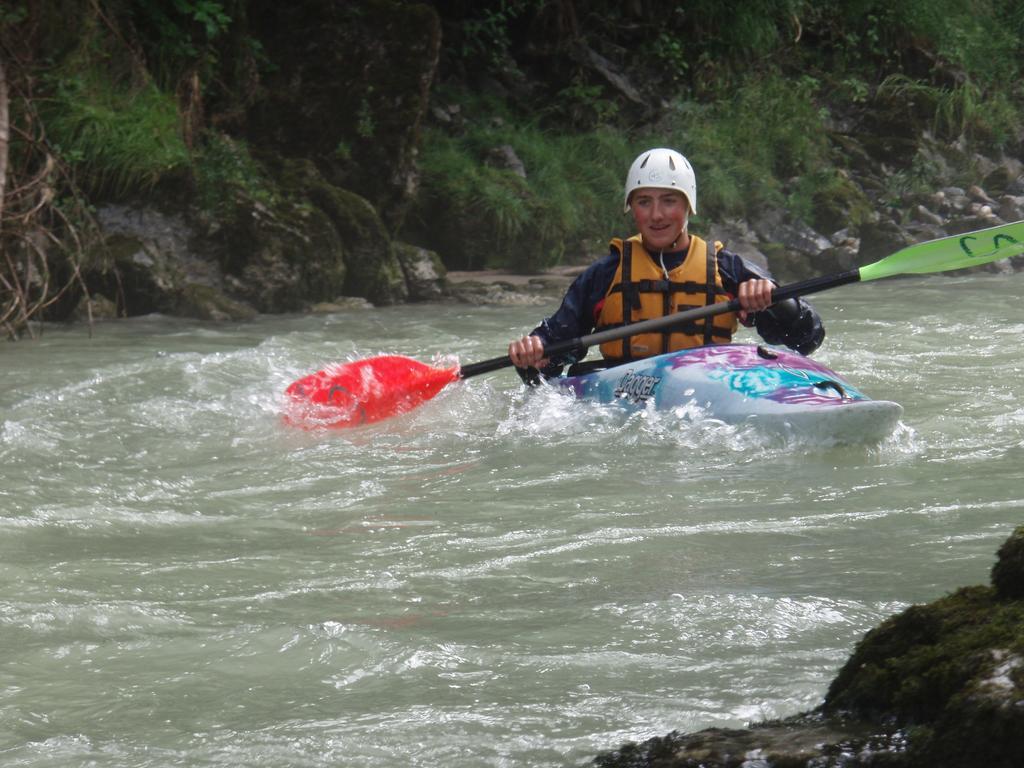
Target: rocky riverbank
x=168 y=261
x=328 y=155
x=940 y=684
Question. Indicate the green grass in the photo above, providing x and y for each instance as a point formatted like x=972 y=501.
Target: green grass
x=570 y=193
x=963 y=109
x=747 y=150
x=746 y=147
x=118 y=139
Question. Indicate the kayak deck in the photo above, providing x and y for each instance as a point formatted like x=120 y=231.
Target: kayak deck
x=773 y=389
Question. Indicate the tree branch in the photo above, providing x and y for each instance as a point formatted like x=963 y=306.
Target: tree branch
x=5 y=134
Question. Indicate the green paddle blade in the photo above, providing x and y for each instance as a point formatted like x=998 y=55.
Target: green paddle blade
x=947 y=253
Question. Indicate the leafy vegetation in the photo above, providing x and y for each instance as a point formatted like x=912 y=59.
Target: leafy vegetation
x=118 y=139
x=962 y=109
x=123 y=95
x=528 y=222
x=751 y=93
x=745 y=149
x=224 y=172
x=179 y=36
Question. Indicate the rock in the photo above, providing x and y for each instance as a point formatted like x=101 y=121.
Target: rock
x=838 y=258
x=840 y=203
x=340 y=304
x=940 y=684
x=956 y=200
x=372 y=269
x=766 y=223
x=149 y=262
x=978 y=195
x=983 y=212
x=999 y=179
x=590 y=58
x=855 y=155
x=970 y=222
x=284 y=258
x=804 y=741
x=95 y=307
x=880 y=239
x=796 y=237
x=944 y=668
x=920 y=213
x=1011 y=207
x=845 y=237
x=207 y=303
x=495 y=293
x=1008 y=572
x=786 y=265
x=424 y=272
x=736 y=236
x=505 y=158
x=920 y=231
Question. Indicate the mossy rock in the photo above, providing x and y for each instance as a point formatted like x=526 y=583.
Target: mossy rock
x=796 y=742
x=838 y=258
x=372 y=268
x=279 y=255
x=94 y=307
x=205 y=302
x=954 y=669
x=145 y=277
x=153 y=259
x=913 y=663
x=839 y=203
x=1008 y=572
x=984 y=724
x=292 y=263
x=882 y=238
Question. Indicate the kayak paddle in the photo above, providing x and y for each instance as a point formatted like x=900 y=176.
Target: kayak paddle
x=365 y=391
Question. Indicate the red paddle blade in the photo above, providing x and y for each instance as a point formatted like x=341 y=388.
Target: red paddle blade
x=365 y=391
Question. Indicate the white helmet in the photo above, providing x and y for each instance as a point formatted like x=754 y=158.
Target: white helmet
x=662 y=169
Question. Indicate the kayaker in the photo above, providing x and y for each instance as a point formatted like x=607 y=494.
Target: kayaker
x=660 y=270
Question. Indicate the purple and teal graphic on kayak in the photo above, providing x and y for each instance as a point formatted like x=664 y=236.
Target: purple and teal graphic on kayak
x=784 y=384
x=722 y=374
x=745 y=356
x=785 y=377
x=771 y=389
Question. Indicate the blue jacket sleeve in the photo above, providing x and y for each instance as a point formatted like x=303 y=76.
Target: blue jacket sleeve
x=793 y=322
x=576 y=316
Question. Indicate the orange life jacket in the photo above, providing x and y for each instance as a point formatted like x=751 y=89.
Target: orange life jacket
x=640 y=291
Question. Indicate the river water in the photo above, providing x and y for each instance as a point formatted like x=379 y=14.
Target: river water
x=501 y=578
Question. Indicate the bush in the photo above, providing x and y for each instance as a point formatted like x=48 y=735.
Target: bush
x=766 y=145
x=225 y=174
x=747 y=147
x=118 y=139
x=484 y=215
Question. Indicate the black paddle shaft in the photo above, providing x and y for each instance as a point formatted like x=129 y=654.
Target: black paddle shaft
x=668 y=322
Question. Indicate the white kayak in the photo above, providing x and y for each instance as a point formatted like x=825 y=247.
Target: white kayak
x=772 y=389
